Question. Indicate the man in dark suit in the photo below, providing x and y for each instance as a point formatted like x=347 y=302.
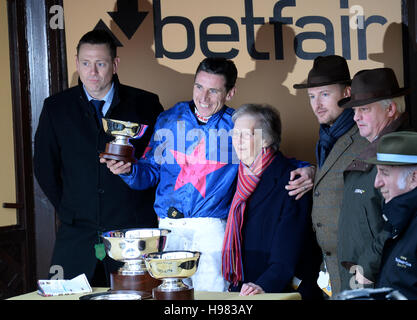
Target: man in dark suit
x=88 y=198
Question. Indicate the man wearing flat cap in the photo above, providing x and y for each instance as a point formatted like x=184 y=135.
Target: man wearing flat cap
x=339 y=143
x=396 y=162
x=378 y=104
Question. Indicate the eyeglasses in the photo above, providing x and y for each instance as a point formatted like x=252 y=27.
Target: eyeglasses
x=242 y=133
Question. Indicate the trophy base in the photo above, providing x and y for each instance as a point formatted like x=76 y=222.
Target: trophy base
x=184 y=294
x=119 y=152
x=140 y=282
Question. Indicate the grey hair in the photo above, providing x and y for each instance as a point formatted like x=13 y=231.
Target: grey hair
x=404 y=174
x=399 y=101
x=268 y=120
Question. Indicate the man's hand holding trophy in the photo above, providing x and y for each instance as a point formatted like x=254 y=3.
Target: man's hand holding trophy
x=133 y=246
x=120 y=149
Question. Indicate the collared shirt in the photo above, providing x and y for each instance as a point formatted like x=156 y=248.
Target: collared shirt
x=108 y=98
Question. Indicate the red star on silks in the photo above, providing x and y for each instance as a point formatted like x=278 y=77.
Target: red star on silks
x=195 y=167
x=147 y=149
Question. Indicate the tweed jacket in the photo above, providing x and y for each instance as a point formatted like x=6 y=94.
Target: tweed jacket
x=327 y=198
x=361 y=235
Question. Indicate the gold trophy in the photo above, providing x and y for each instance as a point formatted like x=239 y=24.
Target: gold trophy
x=120 y=148
x=129 y=246
x=172 y=267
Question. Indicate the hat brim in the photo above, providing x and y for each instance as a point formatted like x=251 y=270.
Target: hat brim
x=314 y=85
x=349 y=103
x=375 y=161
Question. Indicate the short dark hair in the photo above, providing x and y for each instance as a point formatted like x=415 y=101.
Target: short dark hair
x=268 y=120
x=220 y=66
x=99 y=37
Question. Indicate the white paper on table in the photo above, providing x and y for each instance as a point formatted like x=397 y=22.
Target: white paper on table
x=78 y=284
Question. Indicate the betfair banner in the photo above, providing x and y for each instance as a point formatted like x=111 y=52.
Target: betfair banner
x=273 y=44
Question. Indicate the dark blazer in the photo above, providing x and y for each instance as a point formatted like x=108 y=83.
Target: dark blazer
x=84 y=192
x=399 y=256
x=277 y=235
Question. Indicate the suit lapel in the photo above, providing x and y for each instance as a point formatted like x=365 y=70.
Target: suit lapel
x=337 y=151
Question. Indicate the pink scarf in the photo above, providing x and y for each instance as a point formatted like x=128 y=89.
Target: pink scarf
x=248 y=179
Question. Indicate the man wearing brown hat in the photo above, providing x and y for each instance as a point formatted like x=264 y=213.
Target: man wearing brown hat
x=396 y=162
x=379 y=107
x=339 y=143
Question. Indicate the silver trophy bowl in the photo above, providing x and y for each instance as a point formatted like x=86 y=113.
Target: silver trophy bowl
x=130 y=245
x=171 y=267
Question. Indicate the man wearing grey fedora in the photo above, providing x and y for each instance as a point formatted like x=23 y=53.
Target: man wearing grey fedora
x=396 y=162
x=339 y=143
x=379 y=107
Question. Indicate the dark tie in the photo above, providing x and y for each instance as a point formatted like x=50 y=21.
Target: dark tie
x=98 y=105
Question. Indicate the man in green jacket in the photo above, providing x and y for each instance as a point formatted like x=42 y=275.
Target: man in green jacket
x=339 y=143
x=379 y=107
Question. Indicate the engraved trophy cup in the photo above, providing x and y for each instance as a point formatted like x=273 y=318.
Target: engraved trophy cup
x=120 y=148
x=172 y=267
x=129 y=246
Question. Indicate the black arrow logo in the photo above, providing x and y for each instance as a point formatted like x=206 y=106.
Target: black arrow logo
x=102 y=26
x=128 y=18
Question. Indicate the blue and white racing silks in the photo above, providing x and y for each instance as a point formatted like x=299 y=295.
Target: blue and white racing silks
x=192 y=164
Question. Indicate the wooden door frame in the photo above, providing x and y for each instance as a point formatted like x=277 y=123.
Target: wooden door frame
x=21 y=234
x=32 y=80
x=48 y=76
